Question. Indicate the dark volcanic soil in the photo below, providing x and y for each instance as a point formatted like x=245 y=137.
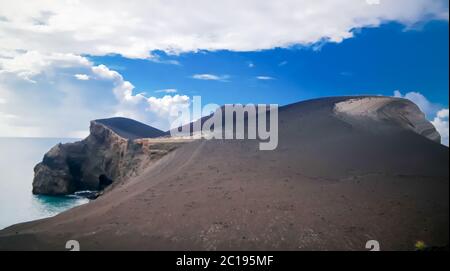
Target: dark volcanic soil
x=332 y=184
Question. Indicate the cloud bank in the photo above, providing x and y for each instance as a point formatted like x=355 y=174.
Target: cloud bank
x=49 y=100
x=135 y=28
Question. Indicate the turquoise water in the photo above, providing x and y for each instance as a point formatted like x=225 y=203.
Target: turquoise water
x=18 y=156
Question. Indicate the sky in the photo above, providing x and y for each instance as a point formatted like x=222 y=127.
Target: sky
x=65 y=63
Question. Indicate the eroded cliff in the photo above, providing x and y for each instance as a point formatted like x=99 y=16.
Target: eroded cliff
x=103 y=155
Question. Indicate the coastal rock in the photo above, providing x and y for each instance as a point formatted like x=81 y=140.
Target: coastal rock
x=96 y=162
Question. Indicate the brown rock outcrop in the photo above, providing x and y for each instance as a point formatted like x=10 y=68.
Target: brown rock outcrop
x=72 y=167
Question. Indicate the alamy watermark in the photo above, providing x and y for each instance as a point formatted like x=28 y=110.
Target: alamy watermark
x=373 y=245
x=74 y=245
x=230 y=122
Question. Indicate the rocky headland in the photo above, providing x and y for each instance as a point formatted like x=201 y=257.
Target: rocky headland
x=110 y=154
x=346 y=170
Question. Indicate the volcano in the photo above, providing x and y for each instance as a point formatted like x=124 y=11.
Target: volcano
x=346 y=170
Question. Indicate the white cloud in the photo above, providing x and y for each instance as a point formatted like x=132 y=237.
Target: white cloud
x=373 y=2
x=282 y=63
x=434 y=112
x=82 y=77
x=169 y=90
x=28 y=64
x=104 y=72
x=443 y=114
x=157 y=112
x=441 y=124
x=47 y=100
x=135 y=28
x=426 y=106
x=211 y=77
x=251 y=64
x=264 y=78
x=157 y=59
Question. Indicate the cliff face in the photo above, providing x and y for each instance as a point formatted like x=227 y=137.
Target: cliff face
x=103 y=155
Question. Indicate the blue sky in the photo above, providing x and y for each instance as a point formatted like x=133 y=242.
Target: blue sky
x=377 y=61
x=145 y=60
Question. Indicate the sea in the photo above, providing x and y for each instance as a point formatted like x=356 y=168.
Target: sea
x=18 y=156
